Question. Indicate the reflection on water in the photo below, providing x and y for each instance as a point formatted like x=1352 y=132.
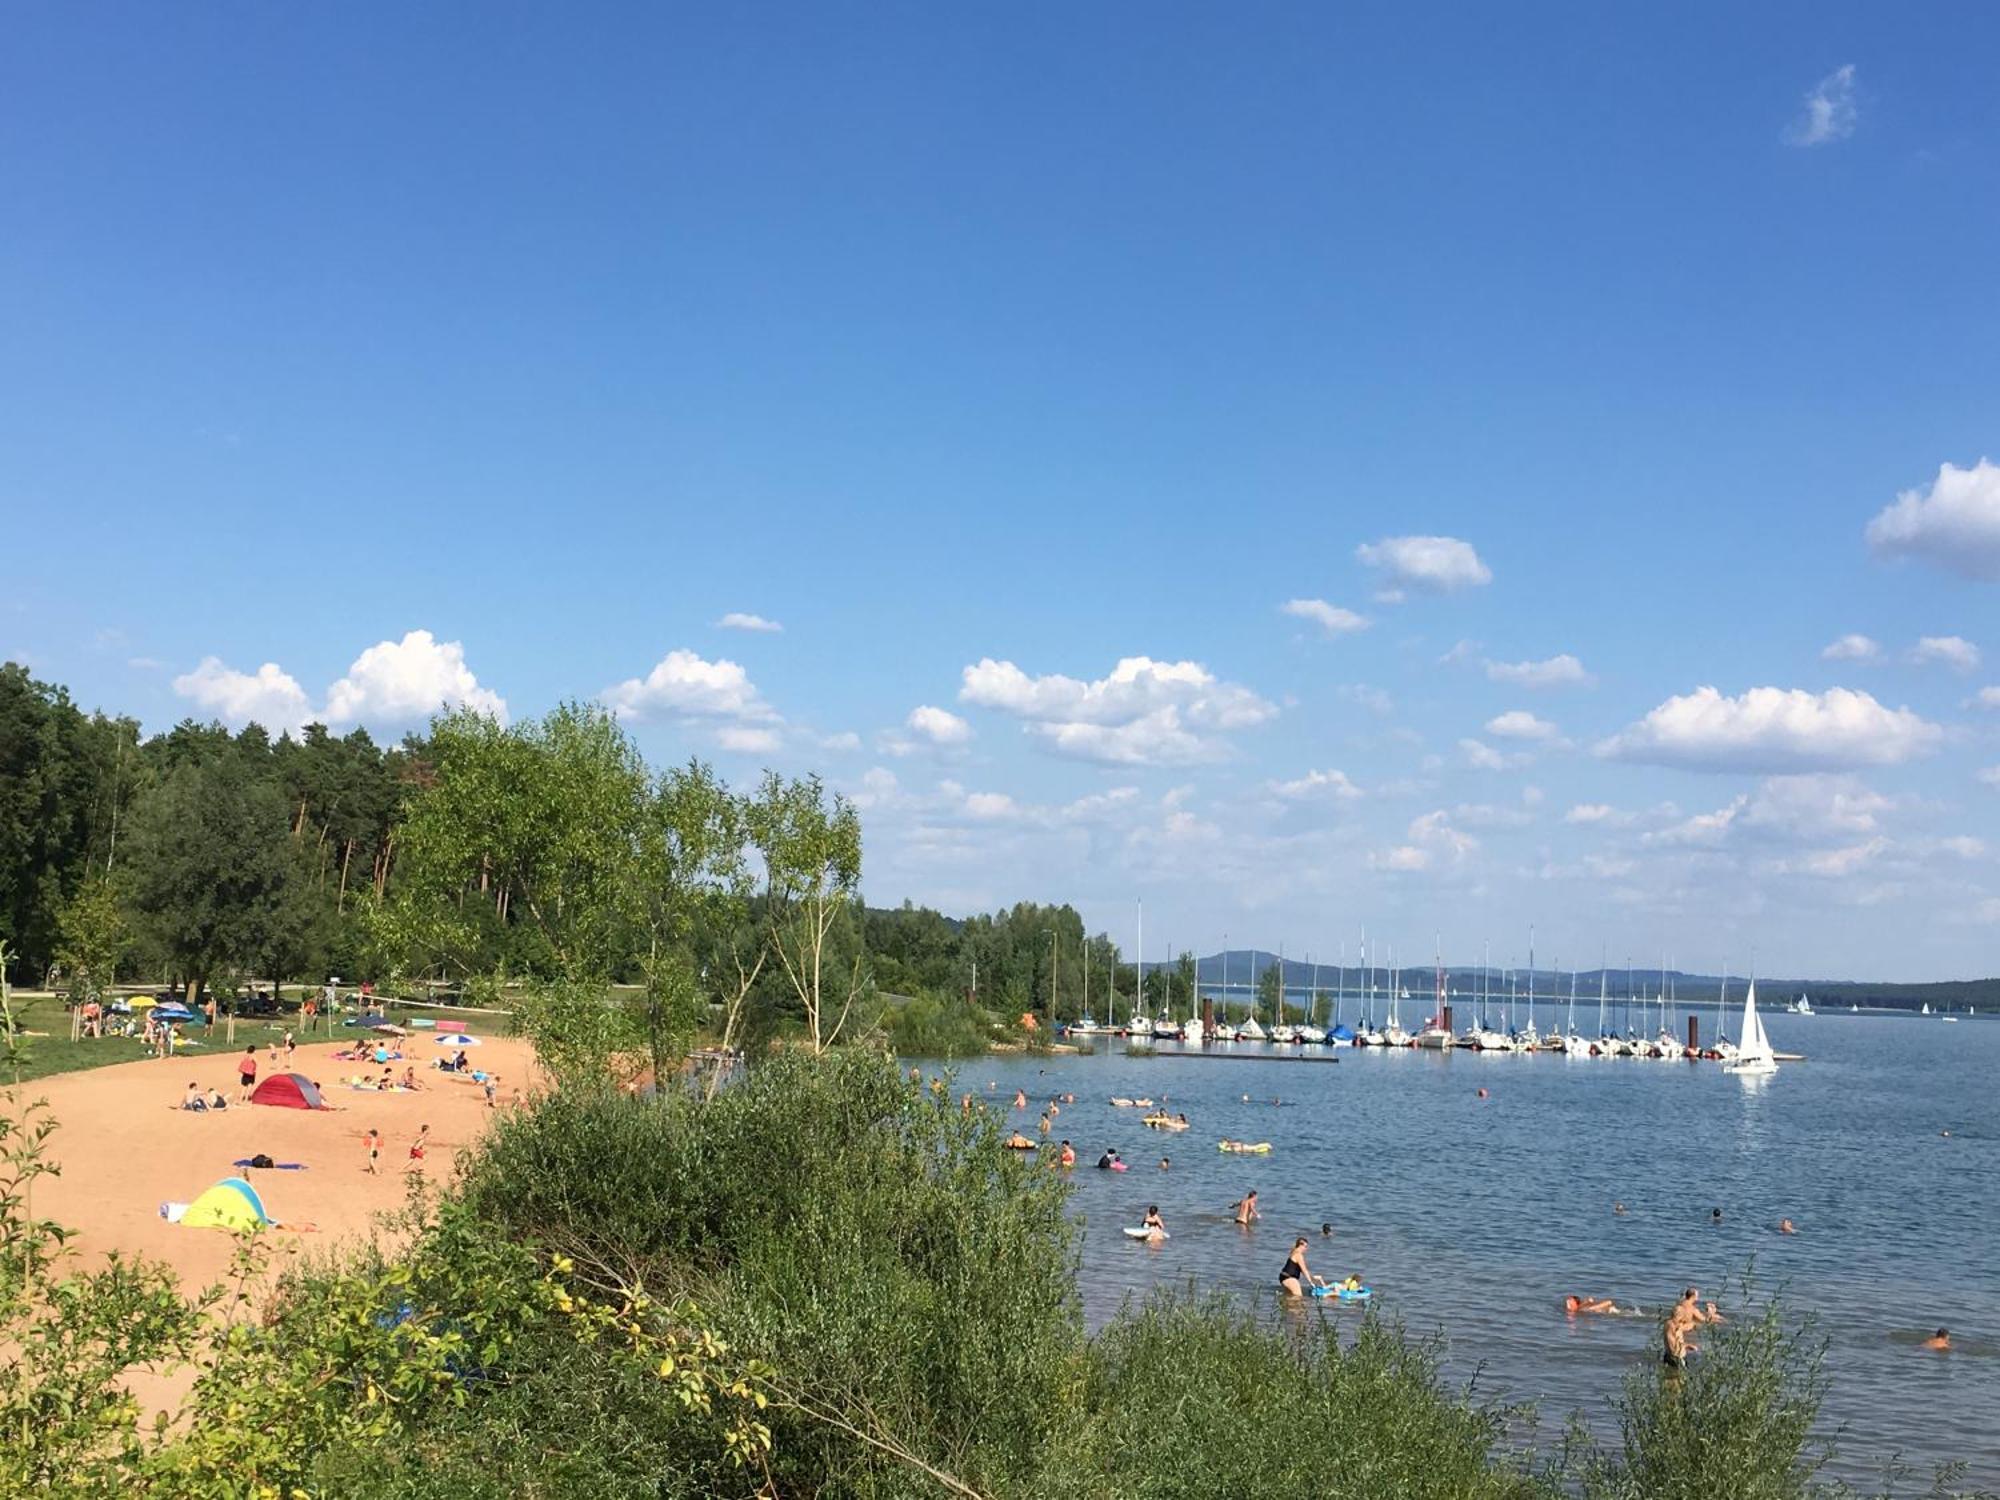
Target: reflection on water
x=1475 y=1216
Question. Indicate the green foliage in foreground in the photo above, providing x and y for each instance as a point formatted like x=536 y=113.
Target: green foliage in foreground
x=1205 y=1399
x=825 y=1281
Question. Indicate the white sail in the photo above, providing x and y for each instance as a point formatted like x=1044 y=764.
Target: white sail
x=1753 y=1048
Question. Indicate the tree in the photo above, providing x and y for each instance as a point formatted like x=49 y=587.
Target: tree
x=521 y=853
x=92 y=937
x=210 y=868
x=812 y=869
x=65 y=779
x=693 y=892
x=1270 y=987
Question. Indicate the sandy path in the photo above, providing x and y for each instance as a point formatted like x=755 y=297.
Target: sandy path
x=125 y=1147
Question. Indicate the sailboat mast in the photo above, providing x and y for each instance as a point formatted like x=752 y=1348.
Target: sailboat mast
x=1601 y=963
x=1531 y=976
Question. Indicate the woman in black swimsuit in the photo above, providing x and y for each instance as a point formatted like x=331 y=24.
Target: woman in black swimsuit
x=1295 y=1278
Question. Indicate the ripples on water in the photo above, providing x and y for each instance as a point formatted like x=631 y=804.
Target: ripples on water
x=1474 y=1217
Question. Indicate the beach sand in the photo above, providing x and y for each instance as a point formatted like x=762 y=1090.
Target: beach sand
x=125 y=1147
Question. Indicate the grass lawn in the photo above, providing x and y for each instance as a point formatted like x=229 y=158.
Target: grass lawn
x=53 y=1052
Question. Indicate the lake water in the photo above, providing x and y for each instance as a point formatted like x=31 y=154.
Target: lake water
x=1474 y=1217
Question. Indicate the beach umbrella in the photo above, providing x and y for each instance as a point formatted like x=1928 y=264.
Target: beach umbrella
x=456 y=1039
x=172 y=1011
x=142 y=1002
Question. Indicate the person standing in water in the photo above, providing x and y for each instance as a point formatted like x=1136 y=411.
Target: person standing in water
x=1154 y=1223
x=1246 y=1210
x=1680 y=1323
x=1295 y=1278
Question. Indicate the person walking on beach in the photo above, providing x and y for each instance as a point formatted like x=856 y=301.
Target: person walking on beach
x=246 y=1073
x=417 y=1147
x=1246 y=1210
x=373 y=1140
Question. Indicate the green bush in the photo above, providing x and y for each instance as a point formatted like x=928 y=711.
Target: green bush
x=927 y=1025
x=1201 y=1398
x=916 y=1281
x=1737 y=1421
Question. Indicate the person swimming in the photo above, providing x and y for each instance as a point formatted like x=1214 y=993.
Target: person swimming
x=1786 y=1226
x=1108 y=1160
x=1939 y=1340
x=1068 y=1155
x=1018 y=1142
x=1589 y=1305
x=1715 y=1216
x=1295 y=1277
x=1246 y=1209
x=1325 y=1230
x=1166 y=1162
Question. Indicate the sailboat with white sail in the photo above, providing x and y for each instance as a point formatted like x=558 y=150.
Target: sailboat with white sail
x=1753 y=1048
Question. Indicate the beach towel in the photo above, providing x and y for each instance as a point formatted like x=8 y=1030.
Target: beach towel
x=264 y=1163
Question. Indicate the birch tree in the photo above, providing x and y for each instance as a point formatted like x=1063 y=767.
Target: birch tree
x=811 y=849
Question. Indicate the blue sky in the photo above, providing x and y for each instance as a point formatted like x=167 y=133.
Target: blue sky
x=497 y=354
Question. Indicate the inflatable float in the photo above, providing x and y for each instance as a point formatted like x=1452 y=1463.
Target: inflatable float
x=1143 y=1234
x=1356 y=1294
x=1243 y=1148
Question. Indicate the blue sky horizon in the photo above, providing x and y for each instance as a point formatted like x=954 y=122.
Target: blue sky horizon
x=1444 y=472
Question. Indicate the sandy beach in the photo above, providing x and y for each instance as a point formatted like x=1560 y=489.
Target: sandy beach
x=125 y=1147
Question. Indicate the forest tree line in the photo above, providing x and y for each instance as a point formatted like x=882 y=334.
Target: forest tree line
x=473 y=854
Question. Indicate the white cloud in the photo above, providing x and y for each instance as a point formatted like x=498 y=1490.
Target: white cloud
x=1556 y=671
x=1772 y=729
x=1315 y=784
x=1829 y=112
x=847 y=739
x=991 y=806
x=1486 y=815
x=1835 y=864
x=746 y=739
x=1990 y=775
x=1953 y=651
x=687 y=685
x=1404 y=857
x=1098 y=806
x=1956 y=526
x=1158 y=739
x=1434 y=831
x=1423 y=564
x=940 y=726
x=406 y=681
x=738 y=620
x=1331 y=618
x=1704 y=830
x=1483 y=757
x=1813 y=807
x=1519 y=724
x=269 y=696
x=392 y=682
x=1595 y=812
x=1852 y=648
x=1987 y=697
x=1144 y=712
